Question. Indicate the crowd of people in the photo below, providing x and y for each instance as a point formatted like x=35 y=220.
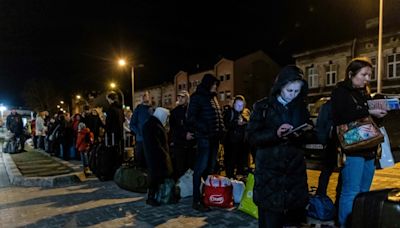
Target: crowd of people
x=168 y=142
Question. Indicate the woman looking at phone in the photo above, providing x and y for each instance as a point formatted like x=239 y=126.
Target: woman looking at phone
x=280 y=191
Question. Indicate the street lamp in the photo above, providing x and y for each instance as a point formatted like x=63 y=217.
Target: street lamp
x=122 y=63
x=114 y=86
x=379 y=67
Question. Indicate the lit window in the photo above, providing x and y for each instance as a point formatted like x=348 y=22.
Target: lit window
x=221 y=96
x=228 y=94
x=331 y=74
x=373 y=75
x=393 y=66
x=312 y=77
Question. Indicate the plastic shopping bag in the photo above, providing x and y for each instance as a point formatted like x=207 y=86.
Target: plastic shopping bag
x=185 y=184
x=247 y=204
x=238 y=190
x=386 y=159
x=218 y=192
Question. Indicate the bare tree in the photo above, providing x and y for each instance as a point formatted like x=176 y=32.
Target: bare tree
x=40 y=95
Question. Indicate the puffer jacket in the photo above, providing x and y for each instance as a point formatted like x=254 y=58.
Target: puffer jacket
x=204 y=115
x=280 y=174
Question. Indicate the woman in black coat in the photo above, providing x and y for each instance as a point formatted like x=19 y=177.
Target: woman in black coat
x=280 y=191
x=156 y=153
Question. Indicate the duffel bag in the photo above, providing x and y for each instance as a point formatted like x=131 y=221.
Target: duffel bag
x=131 y=178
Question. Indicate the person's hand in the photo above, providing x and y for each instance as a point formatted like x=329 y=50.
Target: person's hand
x=189 y=136
x=282 y=129
x=378 y=113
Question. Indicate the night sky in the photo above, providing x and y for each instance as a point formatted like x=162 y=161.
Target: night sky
x=74 y=45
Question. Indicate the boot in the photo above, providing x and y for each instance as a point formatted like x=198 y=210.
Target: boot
x=199 y=206
x=87 y=172
x=151 y=200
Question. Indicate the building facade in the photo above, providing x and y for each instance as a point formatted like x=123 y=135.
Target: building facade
x=326 y=66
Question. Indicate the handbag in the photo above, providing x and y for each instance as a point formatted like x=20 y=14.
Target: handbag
x=360 y=134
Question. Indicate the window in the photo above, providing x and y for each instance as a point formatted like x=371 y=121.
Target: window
x=393 y=66
x=373 y=75
x=331 y=75
x=221 y=96
x=228 y=94
x=180 y=87
x=183 y=86
x=312 y=77
x=221 y=78
x=228 y=77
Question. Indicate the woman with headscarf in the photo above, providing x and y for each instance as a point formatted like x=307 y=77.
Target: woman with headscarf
x=156 y=152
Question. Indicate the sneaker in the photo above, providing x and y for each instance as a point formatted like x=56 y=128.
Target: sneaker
x=87 y=172
x=152 y=202
x=198 y=206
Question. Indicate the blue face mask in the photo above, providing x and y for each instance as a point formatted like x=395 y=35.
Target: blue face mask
x=238 y=105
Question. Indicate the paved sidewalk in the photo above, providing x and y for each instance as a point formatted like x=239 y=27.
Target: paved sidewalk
x=4 y=181
x=103 y=204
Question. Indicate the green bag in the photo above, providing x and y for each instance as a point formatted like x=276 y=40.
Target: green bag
x=167 y=192
x=246 y=204
x=131 y=178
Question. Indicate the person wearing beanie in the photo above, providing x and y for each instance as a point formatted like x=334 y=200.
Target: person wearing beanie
x=205 y=124
x=236 y=148
x=280 y=190
x=182 y=153
x=156 y=152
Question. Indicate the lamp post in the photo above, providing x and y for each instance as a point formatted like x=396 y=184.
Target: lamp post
x=122 y=63
x=114 y=86
x=379 y=83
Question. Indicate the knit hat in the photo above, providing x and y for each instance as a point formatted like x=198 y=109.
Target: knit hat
x=81 y=125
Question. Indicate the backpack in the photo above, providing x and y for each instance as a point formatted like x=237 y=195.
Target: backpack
x=321 y=207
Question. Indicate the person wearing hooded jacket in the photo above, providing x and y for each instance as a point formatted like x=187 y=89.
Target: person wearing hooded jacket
x=280 y=190
x=205 y=123
x=236 y=149
x=156 y=152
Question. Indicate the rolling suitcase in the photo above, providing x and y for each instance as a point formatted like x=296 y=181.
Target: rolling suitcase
x=107 y=159
x=377 y=209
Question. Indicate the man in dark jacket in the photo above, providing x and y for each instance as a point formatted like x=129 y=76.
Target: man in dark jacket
x=182 y=149
x=114 y=125
x=205 y=123
x=14 y=125
x=139 y=117
x=280 y=190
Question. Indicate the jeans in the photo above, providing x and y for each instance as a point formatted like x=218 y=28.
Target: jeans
x=85 y=158
x=207 y=150
x=357 y=175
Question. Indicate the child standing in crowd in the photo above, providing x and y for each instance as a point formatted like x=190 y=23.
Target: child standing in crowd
x=84 y=140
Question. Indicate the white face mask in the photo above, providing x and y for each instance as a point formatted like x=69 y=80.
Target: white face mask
x=291 y=90
x=238 y=105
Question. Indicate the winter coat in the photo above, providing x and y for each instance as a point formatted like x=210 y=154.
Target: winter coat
x=139 y=117
x=280 y=174
x=114 y=122
x=93 y=122
x=204 y=116
x=177 y=124
x=157 y=157
x=14 y=124
x=40 y=128
x=84 y=140
x=345 y=110
x=235 y=132
x=325 y=123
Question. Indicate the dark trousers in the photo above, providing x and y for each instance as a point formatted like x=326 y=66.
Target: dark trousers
x=235 y=156
x=206 y=159
x=41 y=142
x=139 y=155
x=183 y=157
x=35 y=141
x=272 y=219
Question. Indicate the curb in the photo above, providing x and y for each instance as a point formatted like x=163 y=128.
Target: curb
x=16 y=178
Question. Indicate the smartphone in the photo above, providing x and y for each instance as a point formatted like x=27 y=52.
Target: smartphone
x=299 y=129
